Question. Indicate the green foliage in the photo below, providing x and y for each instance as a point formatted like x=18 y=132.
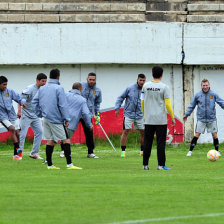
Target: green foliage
x=111 y=189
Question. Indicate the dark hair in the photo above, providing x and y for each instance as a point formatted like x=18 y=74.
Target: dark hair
x=54 y=73
x=157 y=72
x=92 y=74
x=3 y=79
x=41 y=76
x=76 y=85
x=141 y=76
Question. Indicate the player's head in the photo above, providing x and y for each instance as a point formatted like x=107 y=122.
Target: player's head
x=3 y=83
x=41 y=80
x=141 y=80
x=91 y=79
x=157 y=72
x=205 y=85
x=77 y=85
x=55 y=73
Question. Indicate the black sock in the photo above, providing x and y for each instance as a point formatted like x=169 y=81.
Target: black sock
x=216 y=143
x=67 y=150
x=62 y=146
x=16 y=146
x=123 y=148
x=49 y=151
x=142 y=148
x=193 y=143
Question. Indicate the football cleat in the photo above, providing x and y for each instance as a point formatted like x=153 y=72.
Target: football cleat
x=123 y=154
x=52 y=167
x=35 y=157
x=16 y=157
x=145 y=167
x=189 y=153
x=72 y=167
x=163 y=168
x=92 y=156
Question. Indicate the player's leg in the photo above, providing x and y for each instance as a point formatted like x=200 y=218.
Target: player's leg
x=67 y=150
x=48 y=136
x=10 y=127
x=199 y=129
x=213 y=128
x=89 y=140
x=127 y=126
x=161 y=132
x=215 y=141
x=24 y=125
x=148 y=140
x=139 y=125
x=38 y=132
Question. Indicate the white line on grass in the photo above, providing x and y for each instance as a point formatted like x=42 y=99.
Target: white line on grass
x=168 y=218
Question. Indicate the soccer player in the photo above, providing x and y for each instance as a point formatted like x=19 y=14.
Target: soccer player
x=93 y=96
x=78 y=109
x=8 y=116
x=132 y=112
x=50 y=103
x=205 y=101
x=155 y=100
x=29 y=118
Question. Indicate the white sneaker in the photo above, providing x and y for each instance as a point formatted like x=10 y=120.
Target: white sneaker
x=62 y=154
x=92 y=156
x=189 y=153
x=36 y=156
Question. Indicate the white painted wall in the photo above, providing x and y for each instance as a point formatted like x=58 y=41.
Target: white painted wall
x=94 y=43
x=203 y=43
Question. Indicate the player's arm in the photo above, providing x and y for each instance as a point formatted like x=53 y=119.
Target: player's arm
x=219 y=101
x=190 y=108
x=169 y=109
x=63 y=105
x=119 y=101
x=86 y=115
x=36 y=106
x=19 y=113
x=97 y=102
x=142 y=103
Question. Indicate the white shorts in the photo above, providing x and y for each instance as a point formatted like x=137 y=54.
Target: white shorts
x=53 y=131
x=138 y=123
x=210 y=126
x=7 y=124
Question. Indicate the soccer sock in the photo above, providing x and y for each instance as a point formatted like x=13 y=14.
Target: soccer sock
x=62 y=146
x=49 y=151
x=123 y=148
x=193 y=143
x=67 y=150
x=16 y=146
x=216 y=143
x=142 y=148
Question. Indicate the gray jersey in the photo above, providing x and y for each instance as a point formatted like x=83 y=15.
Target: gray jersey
x=28 y=94
x=153 y=94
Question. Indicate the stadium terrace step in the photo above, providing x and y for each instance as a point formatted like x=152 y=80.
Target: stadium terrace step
x=205 y=18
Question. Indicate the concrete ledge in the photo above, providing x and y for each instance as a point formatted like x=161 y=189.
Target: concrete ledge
x=166 y=17
x=166 y=6
x=102 y=18
x=76 y=7
x=205 y=7
x=205 y=18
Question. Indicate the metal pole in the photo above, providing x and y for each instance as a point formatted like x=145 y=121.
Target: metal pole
x=107 y=137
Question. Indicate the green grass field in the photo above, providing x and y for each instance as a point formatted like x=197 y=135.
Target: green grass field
x=112 y=189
